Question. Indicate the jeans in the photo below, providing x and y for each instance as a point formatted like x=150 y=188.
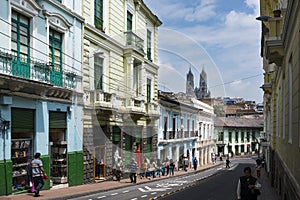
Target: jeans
x=132 y=177
x=38 y=184
x=171 y=170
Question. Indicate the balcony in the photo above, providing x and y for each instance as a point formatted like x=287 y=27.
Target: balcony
x=136 y=105
x=27 y=68
x=274 y=43
x=102 y=99
x=134 y=41
x=152 y=109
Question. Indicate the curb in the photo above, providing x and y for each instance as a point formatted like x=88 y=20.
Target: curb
x=125 y=186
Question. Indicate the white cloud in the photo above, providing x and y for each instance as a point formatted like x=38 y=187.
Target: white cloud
x=204 y=11
x=233 y=42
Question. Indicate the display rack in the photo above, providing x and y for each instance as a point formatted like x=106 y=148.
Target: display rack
x=59 y=162
x=21 y=153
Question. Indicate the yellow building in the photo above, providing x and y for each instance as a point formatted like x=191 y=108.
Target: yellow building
x=280 y=52
x=119 y=83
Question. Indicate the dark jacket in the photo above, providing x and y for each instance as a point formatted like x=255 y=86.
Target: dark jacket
x=246 y=192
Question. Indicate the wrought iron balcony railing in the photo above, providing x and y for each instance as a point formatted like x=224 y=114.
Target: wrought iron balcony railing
x=135 y=41
x=27 y=68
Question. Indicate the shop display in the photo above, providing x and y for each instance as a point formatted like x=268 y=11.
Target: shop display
x=21 y=154
x=59 y=164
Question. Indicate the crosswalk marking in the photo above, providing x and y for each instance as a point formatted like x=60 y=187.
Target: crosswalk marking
x=101 y=197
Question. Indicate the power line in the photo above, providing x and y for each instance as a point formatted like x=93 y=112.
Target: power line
x=245 y=78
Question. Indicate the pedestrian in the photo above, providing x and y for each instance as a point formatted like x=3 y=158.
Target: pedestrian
x=195 y=163
x=213 y=158
x=37 y=174
x=144 y=168
x=167 y=167
x=172 y=166
x=159 y=166
x=133 y=170
x=119 y=169
x=258 y=168
x=248 y=187
x=227 y=162
x=185 y=163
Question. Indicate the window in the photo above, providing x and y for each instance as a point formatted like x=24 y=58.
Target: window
x=236 y=137
x=253 y=137
x=98 y=73
x=221 y=136
x=55 y=57
x=290 y=116
x=148 y=90
x=149 y=45
x=248 y=137
x=98 y=14
x=283 y=107
x=20 y=39
x=165 y=127
x=59 y=1
x=129 y=21
x=242 y=136
x=230 y=137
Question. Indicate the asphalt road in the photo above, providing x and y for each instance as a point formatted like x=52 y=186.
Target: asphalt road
x=212 y=184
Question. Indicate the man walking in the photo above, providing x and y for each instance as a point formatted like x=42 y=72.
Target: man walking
x=37 y=174
x=133 y=170
x=195 y=163
x=248 y=187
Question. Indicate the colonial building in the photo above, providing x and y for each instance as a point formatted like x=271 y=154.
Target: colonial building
x=119 y=84
x=238 y=135
x=280 y=53
x=40 y=91
x=185 y=129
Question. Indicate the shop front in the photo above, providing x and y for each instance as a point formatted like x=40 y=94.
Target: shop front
x=22 y=135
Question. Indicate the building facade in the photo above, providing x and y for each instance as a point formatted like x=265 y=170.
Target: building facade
x=280 y=53
x=40 y=91
x=185 y=129
x=238 y=135
x=119 y=84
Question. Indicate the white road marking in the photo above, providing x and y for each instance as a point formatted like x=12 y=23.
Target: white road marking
x=114 y=194
x=101 y=197
x=144 y=196
x=125 y=191
x=134 y=199
x=153 y=193
x=148 y=189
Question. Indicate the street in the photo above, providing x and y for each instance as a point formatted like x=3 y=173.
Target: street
x=214 y=183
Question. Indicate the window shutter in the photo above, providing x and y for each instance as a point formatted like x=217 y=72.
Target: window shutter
x=57 y=120
x=22 y=119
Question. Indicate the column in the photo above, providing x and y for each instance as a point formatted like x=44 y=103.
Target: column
x=129 y=74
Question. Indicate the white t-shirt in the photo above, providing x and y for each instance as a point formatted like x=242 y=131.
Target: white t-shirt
x=36 y=165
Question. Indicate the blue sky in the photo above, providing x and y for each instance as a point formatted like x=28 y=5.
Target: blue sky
x=220 y=35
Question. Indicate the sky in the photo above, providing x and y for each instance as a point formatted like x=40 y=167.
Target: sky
x=220 y=36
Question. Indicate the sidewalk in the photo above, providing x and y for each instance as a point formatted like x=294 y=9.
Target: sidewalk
x=267 y=191
x=87 y=189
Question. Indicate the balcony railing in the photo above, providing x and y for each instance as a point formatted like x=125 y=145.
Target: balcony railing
x=101 y=96
x=135 y=41
x=25 y=67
